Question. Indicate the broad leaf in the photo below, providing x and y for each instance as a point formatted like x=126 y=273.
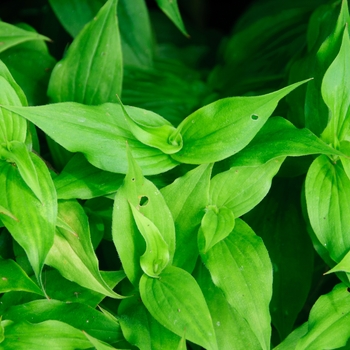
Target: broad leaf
x=11 y=35
x=100 y=133
x=242 y=187
x=170 y=8
x=280 y=138
x=187 y=198
x=144 y=195
x=246 y=279
x=327 y=191
x=328 y=325
x=91 y=71
x=141 y=329
x=14 y=278
x=72 y=253
x=224 y=127
x=35 y=227
x=176 y=301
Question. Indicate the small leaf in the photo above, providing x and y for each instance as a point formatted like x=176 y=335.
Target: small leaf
x=176 y=301
x=226 y=126
x=98 y=345
x=91 y=71
x=12 y=35
x=13 y=277
x=156 y=257
x=170 y=8
x=291 y=341
x=343 y=265
x=216 y=225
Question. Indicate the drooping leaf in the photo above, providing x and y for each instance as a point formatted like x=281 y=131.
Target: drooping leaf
x=279 y=138
x=141 y=329
x=242 y=187
x=187 y=198
x=328 y=326
x=72 y=253
x=100 y=133
x=34 y=230
x=224 y=127
x=144 y=195
x=246 y=279
x=77 y=315
x=176 y=301
x=91 y=71
x=14 y=278
x=170 y=8
x=327 y=190
x=11 y=35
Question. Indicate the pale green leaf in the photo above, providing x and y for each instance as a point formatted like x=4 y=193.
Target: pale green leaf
x=176 y=301
x=7 y=213
x=226 y=126
x=91 y=71
x=343 y=265
x=291 y=341
x=240 y=266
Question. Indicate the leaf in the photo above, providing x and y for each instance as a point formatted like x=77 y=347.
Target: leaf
x=91 y=71
x=279 y=221
x=280 y=138
x=144 y=195
x=72 y=254
x=156 y=257
x=327 y=190
x=328 y=325
x=216 y=225
x=77 y=315
x=187 y=198
x=7 y=213
x=170 y=8
x=14 y=278
x=51 y=334
x=11 y=35
x=343 y=265
x=335 y=92
x=80 y=179
x=98 y=345
x=100 y=133
x=291 y=341
x=176 y=301
x=226 y=126
x=241 y=188
x=230 y=327
x=35 y=227
x=246 y=279
x=141 y=329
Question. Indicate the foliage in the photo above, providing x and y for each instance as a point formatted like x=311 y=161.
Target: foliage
x=154 y=198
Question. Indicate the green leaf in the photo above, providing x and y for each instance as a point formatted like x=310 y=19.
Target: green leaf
x=230 y=327
x=156 y=257
x=335 y=92
x=100 y=133
x=51 y=334
x=241 y=188
x=11 y=35
x=98 y=345
x=35 y=227
x=77 y=315
x=278 y=220
x=246 y=279
x=187 y=198
x=14 y=278
x=80 y=179
x=164 y=137
x=141 y=329
x=343 y=265
x=216 y=225
x=72 y=253
x=327 y=191
x=176 y=301
x=170 y=8
x=291 y=341
x=328 y=325
x=91 y=71
x=280 y=138
x=7 y=213
x=226 y=126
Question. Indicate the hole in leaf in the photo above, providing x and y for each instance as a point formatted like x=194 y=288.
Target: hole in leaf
x=143 y=201
x=133 y=179
x=254 y=117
